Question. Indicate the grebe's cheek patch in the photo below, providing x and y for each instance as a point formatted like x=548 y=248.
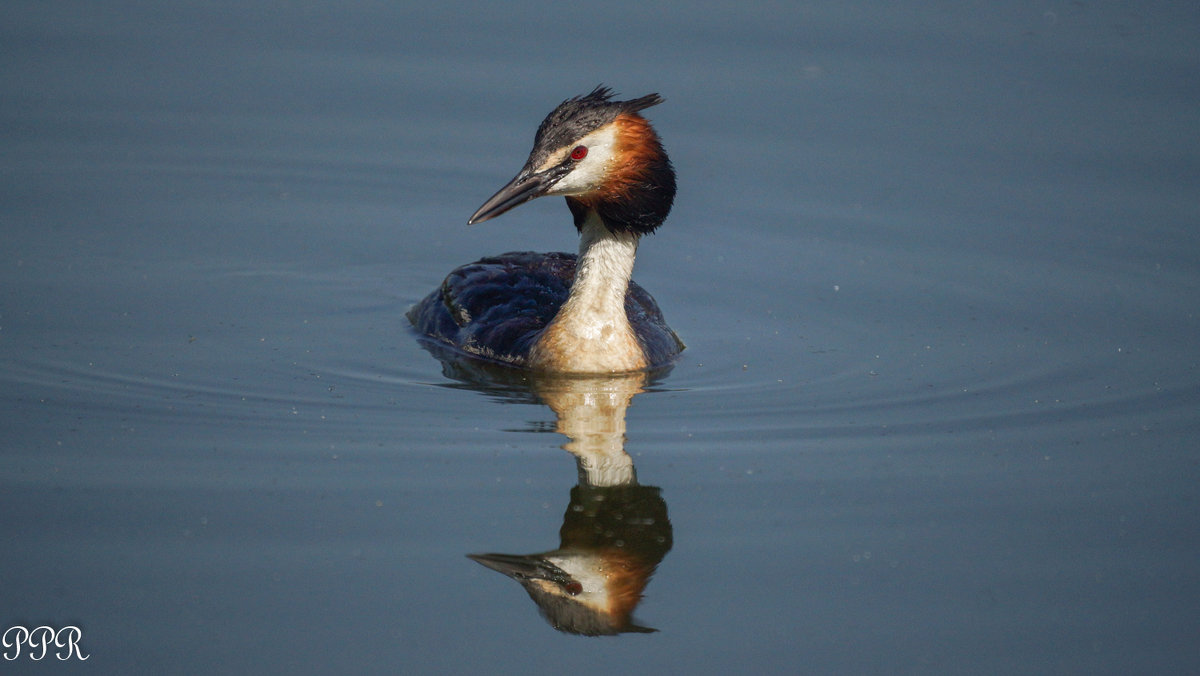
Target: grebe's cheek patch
x=590 y=171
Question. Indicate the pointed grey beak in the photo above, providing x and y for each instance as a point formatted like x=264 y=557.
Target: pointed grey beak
x=520 y=567
x=524 y=187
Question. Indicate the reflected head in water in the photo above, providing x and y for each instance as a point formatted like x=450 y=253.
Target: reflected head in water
x=615 y=532
x=611 y=541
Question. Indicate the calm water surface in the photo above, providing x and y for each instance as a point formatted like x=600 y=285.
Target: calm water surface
x=937 y=266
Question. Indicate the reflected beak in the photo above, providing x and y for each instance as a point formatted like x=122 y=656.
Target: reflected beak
x=519 y=567
x=526 y=186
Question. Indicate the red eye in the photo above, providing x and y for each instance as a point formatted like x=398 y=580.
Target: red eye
x=579 y=153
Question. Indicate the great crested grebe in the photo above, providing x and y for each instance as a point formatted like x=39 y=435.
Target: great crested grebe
x=558 y=312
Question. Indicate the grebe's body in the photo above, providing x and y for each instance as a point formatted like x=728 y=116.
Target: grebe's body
x=498 y=307
x=558 y=312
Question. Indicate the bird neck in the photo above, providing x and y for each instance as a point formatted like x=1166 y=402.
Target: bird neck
x=603 y=272
x=591 y=332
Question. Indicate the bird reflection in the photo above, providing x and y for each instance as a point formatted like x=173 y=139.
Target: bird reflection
x=615 y=531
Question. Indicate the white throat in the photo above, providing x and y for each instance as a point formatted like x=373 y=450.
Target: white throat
x=591 y=333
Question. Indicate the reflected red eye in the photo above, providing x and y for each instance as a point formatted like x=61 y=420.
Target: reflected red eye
x=579 y=153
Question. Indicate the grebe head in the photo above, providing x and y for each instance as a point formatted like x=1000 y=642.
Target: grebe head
x=602 y=156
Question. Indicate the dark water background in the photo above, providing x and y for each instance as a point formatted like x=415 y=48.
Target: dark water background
x=937 y=265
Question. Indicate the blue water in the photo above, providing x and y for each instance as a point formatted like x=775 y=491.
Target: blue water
x=937 y=266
